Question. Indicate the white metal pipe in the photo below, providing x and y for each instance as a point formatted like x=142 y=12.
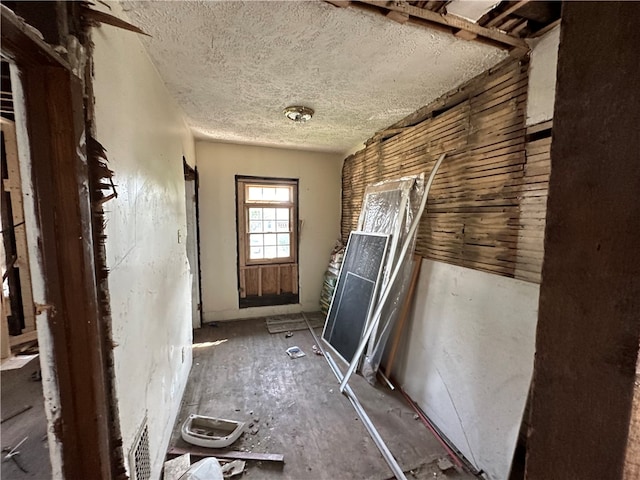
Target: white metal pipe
x=366 y=421
x=357 y=406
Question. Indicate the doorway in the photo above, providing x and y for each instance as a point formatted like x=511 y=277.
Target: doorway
x=267 y=226
x=193 y=240
x=24 y=424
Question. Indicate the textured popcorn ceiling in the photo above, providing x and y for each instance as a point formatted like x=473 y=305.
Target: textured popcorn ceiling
x=234 y=66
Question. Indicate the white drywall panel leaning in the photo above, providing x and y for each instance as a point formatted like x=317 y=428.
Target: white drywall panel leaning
x=469 y=357
x=542 y=77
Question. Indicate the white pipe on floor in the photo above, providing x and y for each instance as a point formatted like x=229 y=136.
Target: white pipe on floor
x=357 y=406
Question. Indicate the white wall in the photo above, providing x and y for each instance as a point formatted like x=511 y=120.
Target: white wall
x=468 y=359
x=145 y=137
x=319 y=194
x=542 y=77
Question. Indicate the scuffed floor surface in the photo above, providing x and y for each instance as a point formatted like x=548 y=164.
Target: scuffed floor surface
x=22 y=388
x=294 y=407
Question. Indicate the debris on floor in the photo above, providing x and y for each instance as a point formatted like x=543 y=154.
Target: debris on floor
x=434 y=470
x=295 y=352
x=289 y=334
x=234 y=468
x=16 y=413
x=174 y=469
x=211 y=432
x=444 y=464
x=19 y=361
x=317 y=350
x=290 y=323
x=206 y=469
x=13 y=454
x=227 y=454
x=253 y=427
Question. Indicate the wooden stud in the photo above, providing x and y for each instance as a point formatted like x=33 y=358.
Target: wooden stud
x=404 y=313
x=398 y=16
x=516 y=6
x=546 y=29
x=13 y=185
x=466 y=35
x=487 y=207
x=452 y=21
x=339 y=3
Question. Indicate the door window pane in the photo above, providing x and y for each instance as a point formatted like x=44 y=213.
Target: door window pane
x=283 y=239
x=282 y=226
x=255 y=240
x=282 y=194
x=270 y=239
x=269 y=213
x=255 y=214
x=254 y=193
x=269 y=194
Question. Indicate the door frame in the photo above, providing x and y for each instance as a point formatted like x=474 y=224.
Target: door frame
x=243 y=265
x=86 y=424
x=191 y=175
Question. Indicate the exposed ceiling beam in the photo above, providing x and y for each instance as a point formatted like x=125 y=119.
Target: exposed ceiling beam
x=506 y=13
x=339 y=3
x=398 y=16
x=452 y=21
x=546 y=29
x=508 y=24
x=518 y=28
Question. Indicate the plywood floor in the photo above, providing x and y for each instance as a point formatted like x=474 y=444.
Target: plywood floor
x=242 y=372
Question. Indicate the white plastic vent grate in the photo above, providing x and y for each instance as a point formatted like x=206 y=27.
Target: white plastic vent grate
x=139 y=456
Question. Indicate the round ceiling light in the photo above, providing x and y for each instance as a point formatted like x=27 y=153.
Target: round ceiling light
x=298 y=114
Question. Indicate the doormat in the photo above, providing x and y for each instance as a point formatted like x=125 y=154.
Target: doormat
x=289 y=323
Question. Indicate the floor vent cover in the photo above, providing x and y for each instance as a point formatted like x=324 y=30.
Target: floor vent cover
x=139 y=457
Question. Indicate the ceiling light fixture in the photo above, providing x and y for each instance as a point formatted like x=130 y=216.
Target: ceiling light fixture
x=298 y=114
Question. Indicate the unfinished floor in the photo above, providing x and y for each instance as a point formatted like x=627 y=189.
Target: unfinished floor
x=241 y=372
x=22 y=389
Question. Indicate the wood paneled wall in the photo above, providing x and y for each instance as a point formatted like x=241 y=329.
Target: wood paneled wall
x=486 y=209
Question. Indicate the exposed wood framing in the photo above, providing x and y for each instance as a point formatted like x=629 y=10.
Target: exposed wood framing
x=487 y=207
x=54 y=102
x=275 y=279
x=27 y=337
x=496 y=21
x=13 y=185
x=446 y=101
x=398 y=16
x=339 y=3
x=546 y=29
x=457 y=23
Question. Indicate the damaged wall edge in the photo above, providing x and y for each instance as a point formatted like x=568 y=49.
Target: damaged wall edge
x=36 y=265
x=53 y=95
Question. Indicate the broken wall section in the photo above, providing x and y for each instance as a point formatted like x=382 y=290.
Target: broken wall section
x=473 y=217
x=145 y=137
